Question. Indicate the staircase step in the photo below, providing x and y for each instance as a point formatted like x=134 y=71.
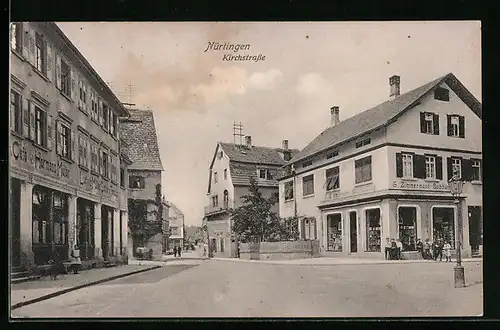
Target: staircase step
x=21 y=274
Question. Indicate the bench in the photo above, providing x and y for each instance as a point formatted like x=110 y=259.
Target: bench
x=44 y=270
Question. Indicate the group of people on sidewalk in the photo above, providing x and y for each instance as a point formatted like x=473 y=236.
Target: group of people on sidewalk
x=434 y=250
x=177 y=251
x=428 y=250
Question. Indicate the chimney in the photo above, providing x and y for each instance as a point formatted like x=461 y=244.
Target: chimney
x=334 y=115
x=285 y=145
x=394 y=84
x=248 y=141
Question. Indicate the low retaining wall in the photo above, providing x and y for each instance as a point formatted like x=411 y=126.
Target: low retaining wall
x=279 y=250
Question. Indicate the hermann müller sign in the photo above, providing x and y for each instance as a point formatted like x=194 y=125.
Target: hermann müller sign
x=36 y=159
x=420 y=185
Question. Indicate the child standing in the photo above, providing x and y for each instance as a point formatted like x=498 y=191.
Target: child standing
x=447 y=251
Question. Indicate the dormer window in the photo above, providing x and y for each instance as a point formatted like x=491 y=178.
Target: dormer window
x=442 y=94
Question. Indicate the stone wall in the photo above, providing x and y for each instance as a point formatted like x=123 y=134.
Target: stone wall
x=279 y=250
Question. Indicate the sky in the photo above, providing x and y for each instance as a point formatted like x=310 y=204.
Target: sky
x=197 y=95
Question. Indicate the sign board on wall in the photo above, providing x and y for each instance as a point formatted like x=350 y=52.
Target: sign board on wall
x=420 y=185
x=97 y=186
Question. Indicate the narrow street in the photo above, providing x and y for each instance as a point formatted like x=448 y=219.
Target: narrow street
x=230 y=289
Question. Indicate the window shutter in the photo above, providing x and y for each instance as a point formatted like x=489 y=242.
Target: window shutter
x=399 y=165
x=26 y=40
x=435 y=120
x=439 y=168
x=101 y=163
x=87 y=152
x=58 y=72
x=419 y=166
x=313 y=222
x=449 y=168
x=50 y=131
x=26 y=118
x=422 y=122
x=73 y=78
x=100 y=113
x=450 y=130
x=12 y=116
x=108 y=160
x=466 y=170
x=461 y=128
x=32 y=121
x=58 y=137
x=303 y=229
x=110 y=120
x=32 y=40
x=87 y=97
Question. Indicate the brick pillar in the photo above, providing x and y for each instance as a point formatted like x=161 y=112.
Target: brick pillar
x=26 y=204
x=72 y=213
x=97 y=231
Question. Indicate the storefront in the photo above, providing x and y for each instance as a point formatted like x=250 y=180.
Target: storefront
x=85 y=219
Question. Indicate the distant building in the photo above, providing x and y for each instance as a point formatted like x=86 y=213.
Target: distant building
x=65 y=160
x=141 y=145
x=229 y=179
x=176 y=223
x=384 y=172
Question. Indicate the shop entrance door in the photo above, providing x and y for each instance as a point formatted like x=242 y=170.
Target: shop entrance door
x=15 y=223
x=475 y=231
x=353 y=220
x=105 y=233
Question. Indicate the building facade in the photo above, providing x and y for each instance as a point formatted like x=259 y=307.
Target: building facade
x=144 y=175
x=384 y=174
x=229 y=179
x=176 y=225
x=65 y=162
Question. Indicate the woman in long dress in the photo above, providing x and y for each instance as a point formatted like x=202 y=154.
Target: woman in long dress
x=76 y=261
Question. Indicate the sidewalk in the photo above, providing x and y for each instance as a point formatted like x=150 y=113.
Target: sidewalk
x=325 y=261
x=33 y=291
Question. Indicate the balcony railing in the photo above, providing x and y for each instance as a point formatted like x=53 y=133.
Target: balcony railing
x=223 y=206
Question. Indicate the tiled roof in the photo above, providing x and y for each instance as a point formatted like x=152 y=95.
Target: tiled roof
x=241 y=173
x=254 y=154
x=381 y=115
x=141 y=142
x=175 y=209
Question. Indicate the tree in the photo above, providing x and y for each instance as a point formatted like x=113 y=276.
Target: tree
x=254 y=221
x=140 y=228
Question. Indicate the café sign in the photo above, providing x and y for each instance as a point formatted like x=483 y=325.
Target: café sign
x=38 y=161
x=419 y=185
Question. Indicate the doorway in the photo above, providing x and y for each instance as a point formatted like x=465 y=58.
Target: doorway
x=475 y=228
x=334 y=232
x=407 y=220
x=15 y=222
x=353 y=222
x=443 y=224
x=105 y=228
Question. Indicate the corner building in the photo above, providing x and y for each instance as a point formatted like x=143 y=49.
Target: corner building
x=384 y=173
x=66 y=165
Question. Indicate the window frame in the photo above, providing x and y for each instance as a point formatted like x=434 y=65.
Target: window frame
x=305 y=183
x=16 y=105
x=359 y=169
x=66 y=140
x=456 y=162
x=335 y=176
x=40 y=54
x=65 y=78
x=406 y=156
x=290 y=195
x=40 y=126
x=430 y=163
x=429 y=123
x=455 y=125
x=476 y=164
x=137 y=178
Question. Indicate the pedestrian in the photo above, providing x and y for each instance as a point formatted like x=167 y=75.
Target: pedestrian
x=175 y=250
x=394 y=250
x=427 y=249
x=387 y=248
x=76 y=261
x=399 y=247
x=56 y=265
x=440 y=246
x=435 y=250
x=420 y=247
x=447 y=251
x=179 y=249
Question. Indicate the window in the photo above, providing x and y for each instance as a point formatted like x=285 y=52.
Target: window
x=60 y=219
x=83 y=92
x=443 y=225
x=136 y=182
x=174 y=231
x=220 y=154
x=363 y=169
x=306 y=164
x=331 y=154
x=40 y=127
x=308 y=185
x=112 y=122
x=83 y=151
x=476 y=170
x=94 y=159
x=113 y=167
x=16 y=123
x=430 y=167
x=40 y=54
x=407 y=165
x=122 y=177
x=64 y=141
x=215 y=201
x=362 y=143
x=215 y=177
x=456 y=167
x=407 y=221
x=95 y=107
x=288 y=190
x=309 y=228
x=429 y=123
x=105 y=117
x=332 y=178
x=65 y=78
x=221 y=244
x=105 y=165
x=373 y=230
x=456 y=126
x=16 y=37
x=334 y=232
x=442 y=94
x=265 y=174
x=225 y=174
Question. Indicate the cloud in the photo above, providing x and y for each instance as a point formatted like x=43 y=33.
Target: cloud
x=312 y=84
x=223 y=83
x=266 y=80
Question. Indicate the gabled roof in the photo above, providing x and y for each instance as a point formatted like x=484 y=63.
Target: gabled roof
x=175 y=208
x=382 y=115
x=254 y=154
x=141 y=143
x=242 y=172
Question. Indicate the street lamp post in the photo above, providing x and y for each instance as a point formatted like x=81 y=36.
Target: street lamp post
x=456 y=187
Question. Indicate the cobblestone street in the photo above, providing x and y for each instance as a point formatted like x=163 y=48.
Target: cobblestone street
x=227 y=289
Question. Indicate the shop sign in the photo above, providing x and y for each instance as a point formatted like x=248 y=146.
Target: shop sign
x=419 y=185
x=38 y=161
x=91 y=182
